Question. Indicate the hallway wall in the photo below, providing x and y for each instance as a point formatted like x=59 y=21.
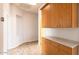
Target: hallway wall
x=23 y=27
x=26 y=26
x=1 y=30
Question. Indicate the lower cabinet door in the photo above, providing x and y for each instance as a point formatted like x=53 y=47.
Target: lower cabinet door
x=49 y=47
x=53 y=48
x=64 y=50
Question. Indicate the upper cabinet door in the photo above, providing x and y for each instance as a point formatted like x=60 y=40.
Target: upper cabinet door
x=46 y=16
x=61 y=15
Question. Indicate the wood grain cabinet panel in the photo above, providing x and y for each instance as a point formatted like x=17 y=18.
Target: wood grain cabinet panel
x=46 y=16
x=63 y=50
x=53 y=48
x=60 y=15
x=48 y=47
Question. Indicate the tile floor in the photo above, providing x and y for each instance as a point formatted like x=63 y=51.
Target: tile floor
x=30 y=48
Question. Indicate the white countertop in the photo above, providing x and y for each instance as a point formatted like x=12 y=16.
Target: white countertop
x=66 y=42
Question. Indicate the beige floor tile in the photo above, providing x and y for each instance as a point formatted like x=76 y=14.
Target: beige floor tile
x=30 y=48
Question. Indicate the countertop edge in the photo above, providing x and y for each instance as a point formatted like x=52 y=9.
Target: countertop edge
x=74 y=45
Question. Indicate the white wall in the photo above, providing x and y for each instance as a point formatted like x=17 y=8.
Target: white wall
x=26 y=26
x=67 y=33
x=23 y=27
x=1 y=30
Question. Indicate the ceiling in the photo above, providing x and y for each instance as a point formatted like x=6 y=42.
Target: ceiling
x=28 y=7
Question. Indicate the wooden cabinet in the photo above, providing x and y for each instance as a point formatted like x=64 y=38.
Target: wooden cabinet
x=59 y=15
x=49 y=47
x=64 y=50
x=53 y=48
x=46 y=16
